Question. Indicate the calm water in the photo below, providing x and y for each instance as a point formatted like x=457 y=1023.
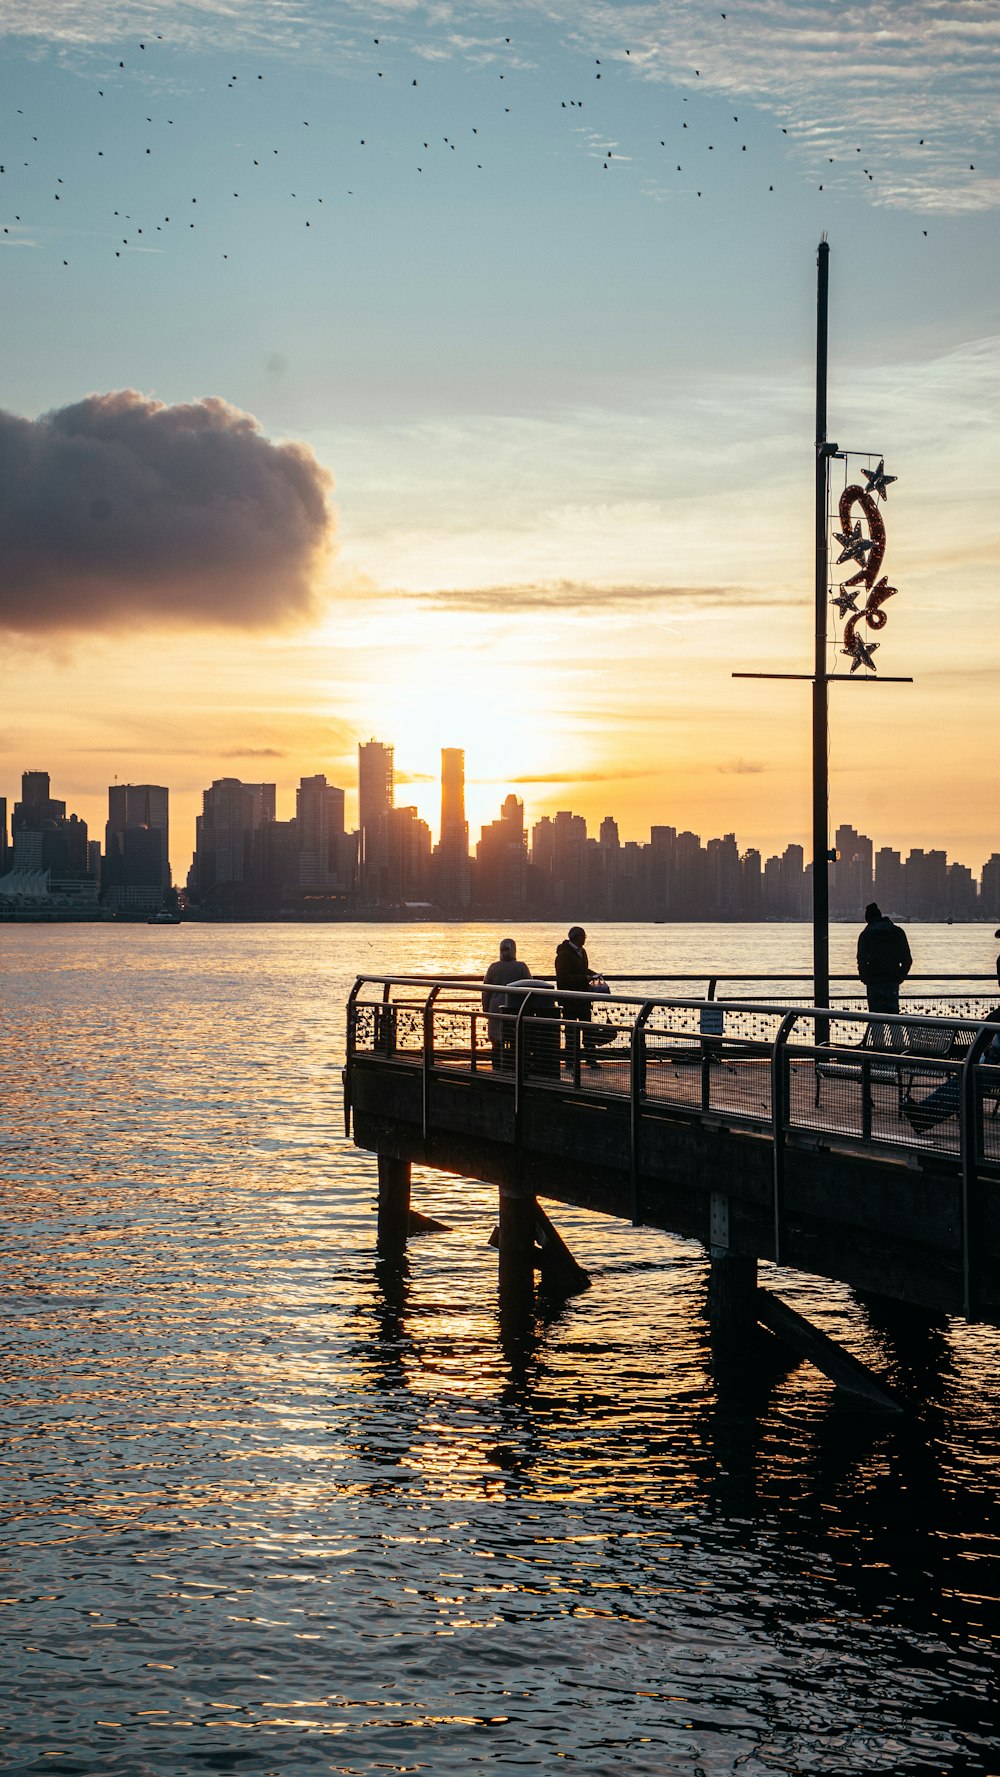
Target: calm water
x=266 y=1510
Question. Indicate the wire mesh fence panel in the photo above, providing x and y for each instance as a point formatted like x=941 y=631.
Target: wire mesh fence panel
x=884 y=1081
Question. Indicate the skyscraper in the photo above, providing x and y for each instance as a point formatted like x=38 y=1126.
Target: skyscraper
x=135 y=806
x=453 y=848
x=319 y=823
x=229 y=845
x=375 y=798
x=453 y=791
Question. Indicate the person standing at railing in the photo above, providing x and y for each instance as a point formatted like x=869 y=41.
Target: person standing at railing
x=573 y=974
x=497 y=1006
x=884 y=961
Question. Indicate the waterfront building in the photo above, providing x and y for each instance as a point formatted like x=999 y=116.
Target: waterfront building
x=324 y=853
x=135 y=873
x=408 y=856
x=375 y=799
x=989 y=894
x=501 y=877
x=889 y=880
x=851 y=877
x=229 y=846
x=453 y=881
x=43 y=836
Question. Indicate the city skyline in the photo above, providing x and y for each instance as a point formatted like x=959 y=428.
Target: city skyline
x=251 y=862
x=489 y=347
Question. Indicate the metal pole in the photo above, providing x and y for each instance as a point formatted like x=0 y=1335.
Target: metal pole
x=821 y=886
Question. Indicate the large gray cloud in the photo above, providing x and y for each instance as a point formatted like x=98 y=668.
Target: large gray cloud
x=121 y=510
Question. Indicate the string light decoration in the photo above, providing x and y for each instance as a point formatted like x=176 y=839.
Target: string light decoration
x=862 y=542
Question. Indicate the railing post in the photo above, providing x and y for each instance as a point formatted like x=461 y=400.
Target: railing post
x=637 y=1088
x=427 y=1057
x=779 y=1068
x=866 y=1084
x=968 y=1137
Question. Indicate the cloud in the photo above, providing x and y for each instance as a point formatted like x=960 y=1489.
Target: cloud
x=913 y=82
x=741 y=767
x=122 y=511
x=576 y=777
x=573 y=595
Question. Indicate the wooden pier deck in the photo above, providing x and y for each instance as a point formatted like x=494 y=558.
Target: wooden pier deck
x=763 y=1130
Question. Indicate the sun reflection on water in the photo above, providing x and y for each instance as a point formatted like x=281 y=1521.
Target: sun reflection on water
x=261 y=1494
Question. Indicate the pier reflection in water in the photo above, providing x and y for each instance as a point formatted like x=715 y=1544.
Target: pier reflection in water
x=269 y=1505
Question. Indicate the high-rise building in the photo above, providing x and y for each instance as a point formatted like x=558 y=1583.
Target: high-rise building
x=408 y=863
x=136 y=867
x=319 y=836
x=502 y=863
x=36 y=805
x=229 y=850
x=375 y=798
x=889 y=880
x=453 y=846
x=42 y=836
x=990 y=889
x=3 y=835
x=851 y=875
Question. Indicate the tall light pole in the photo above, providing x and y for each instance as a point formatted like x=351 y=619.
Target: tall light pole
x=857 y=548
x=820 y=709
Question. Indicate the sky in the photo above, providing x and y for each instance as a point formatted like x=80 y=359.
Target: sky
x=445 y=374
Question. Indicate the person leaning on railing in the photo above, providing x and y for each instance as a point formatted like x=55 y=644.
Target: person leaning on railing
x=498 y=1006
x=573 y=972
x=923 y=1113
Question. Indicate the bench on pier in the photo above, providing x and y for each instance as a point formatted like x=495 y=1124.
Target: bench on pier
x=897 y=1055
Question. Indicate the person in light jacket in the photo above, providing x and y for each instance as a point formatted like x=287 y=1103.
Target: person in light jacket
x=498 y=1006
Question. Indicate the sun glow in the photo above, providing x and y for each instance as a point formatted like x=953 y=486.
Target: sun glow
x=437 y=679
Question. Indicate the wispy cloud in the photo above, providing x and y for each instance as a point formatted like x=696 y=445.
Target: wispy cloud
x=569 y=778
x=575 y=595
x=741 y=767
x=910 y=83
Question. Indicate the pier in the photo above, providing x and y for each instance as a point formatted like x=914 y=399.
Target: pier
x=764 y=1128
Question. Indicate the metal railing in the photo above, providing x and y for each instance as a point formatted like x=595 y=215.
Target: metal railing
x=798 y=1072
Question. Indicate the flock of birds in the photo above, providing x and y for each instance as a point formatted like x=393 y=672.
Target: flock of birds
x=131 y=224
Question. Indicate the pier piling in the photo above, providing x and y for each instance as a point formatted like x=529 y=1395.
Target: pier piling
x=516 y=1242
x=393 y=1206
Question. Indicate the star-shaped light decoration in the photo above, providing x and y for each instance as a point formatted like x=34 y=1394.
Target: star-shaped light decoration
x=845 y=601
x=861 y=654
x=854 y=545
x=878 y=480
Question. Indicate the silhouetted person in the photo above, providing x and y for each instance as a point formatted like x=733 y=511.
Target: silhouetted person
x=573 y=973
x=499 y=1006
x=884 y=959
x=997 y=935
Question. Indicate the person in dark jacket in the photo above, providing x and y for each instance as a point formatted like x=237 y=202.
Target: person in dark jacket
x=884 y=959
x=573 y=973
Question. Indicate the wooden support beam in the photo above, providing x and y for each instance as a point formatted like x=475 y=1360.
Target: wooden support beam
x=560 y=1271
x=421 y=1224
x=393 y=1206
x=842 y=1368
x=516 y=1245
